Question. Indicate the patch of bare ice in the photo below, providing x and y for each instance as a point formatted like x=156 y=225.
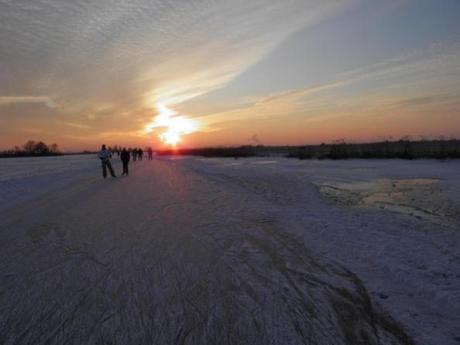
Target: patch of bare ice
x=265 y=162
x=420 y=198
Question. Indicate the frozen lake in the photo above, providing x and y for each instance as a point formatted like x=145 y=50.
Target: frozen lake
x=249 y=251
x=24 y=178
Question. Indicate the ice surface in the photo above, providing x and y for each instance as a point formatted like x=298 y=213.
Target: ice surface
x=249 y=251
x=406 y=250
x=420 y=198
x=24 y=178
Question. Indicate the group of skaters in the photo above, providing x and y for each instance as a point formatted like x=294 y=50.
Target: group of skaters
x=125 y=156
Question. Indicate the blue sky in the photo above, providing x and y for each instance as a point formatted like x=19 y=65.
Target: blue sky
x=366 y=33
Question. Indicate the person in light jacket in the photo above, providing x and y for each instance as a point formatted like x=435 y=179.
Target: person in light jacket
x=105 y=155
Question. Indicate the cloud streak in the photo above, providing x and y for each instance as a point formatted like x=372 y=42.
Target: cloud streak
x=420 y=78
x=142 y=52
x=7 y=100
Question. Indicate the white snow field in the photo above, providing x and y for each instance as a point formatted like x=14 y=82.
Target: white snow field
x=24 y=178
x=222 y=251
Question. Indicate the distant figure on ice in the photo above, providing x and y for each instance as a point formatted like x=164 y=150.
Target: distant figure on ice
x=105 y=156
x=150 y=152
x=125 y=156
x=140 y=154
x=134 y=154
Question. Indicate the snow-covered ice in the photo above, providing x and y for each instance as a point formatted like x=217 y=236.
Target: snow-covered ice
x=24 y=178
x=221 y=251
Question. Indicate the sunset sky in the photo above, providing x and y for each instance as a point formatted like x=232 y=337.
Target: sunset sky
x=229 y=72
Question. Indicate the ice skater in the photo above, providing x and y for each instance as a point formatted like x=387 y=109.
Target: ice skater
x=150 y=153
x=140 y=154
x=125 y=157
x=105 y=155
x=134 y=154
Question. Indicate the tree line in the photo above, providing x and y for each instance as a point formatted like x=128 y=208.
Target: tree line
x=32 y=148
x=403 y=148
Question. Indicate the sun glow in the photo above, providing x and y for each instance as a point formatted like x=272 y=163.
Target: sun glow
x=172 y=125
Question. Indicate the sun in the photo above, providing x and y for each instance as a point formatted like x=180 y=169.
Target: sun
x=170 y=137
x=172 y=125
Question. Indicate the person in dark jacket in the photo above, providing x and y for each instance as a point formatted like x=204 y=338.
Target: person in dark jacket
x=125 y=157
x=140 y=154
x=134 y=154
x=150 y=152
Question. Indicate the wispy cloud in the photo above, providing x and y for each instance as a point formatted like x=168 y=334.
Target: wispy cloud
x=422 y=77
x=77 y=125
x=142 y=51
x=5 y=100
x=101 y=68
x=233 y=43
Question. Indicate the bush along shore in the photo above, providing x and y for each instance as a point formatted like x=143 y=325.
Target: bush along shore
x=32 y=149
x=404 y=149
